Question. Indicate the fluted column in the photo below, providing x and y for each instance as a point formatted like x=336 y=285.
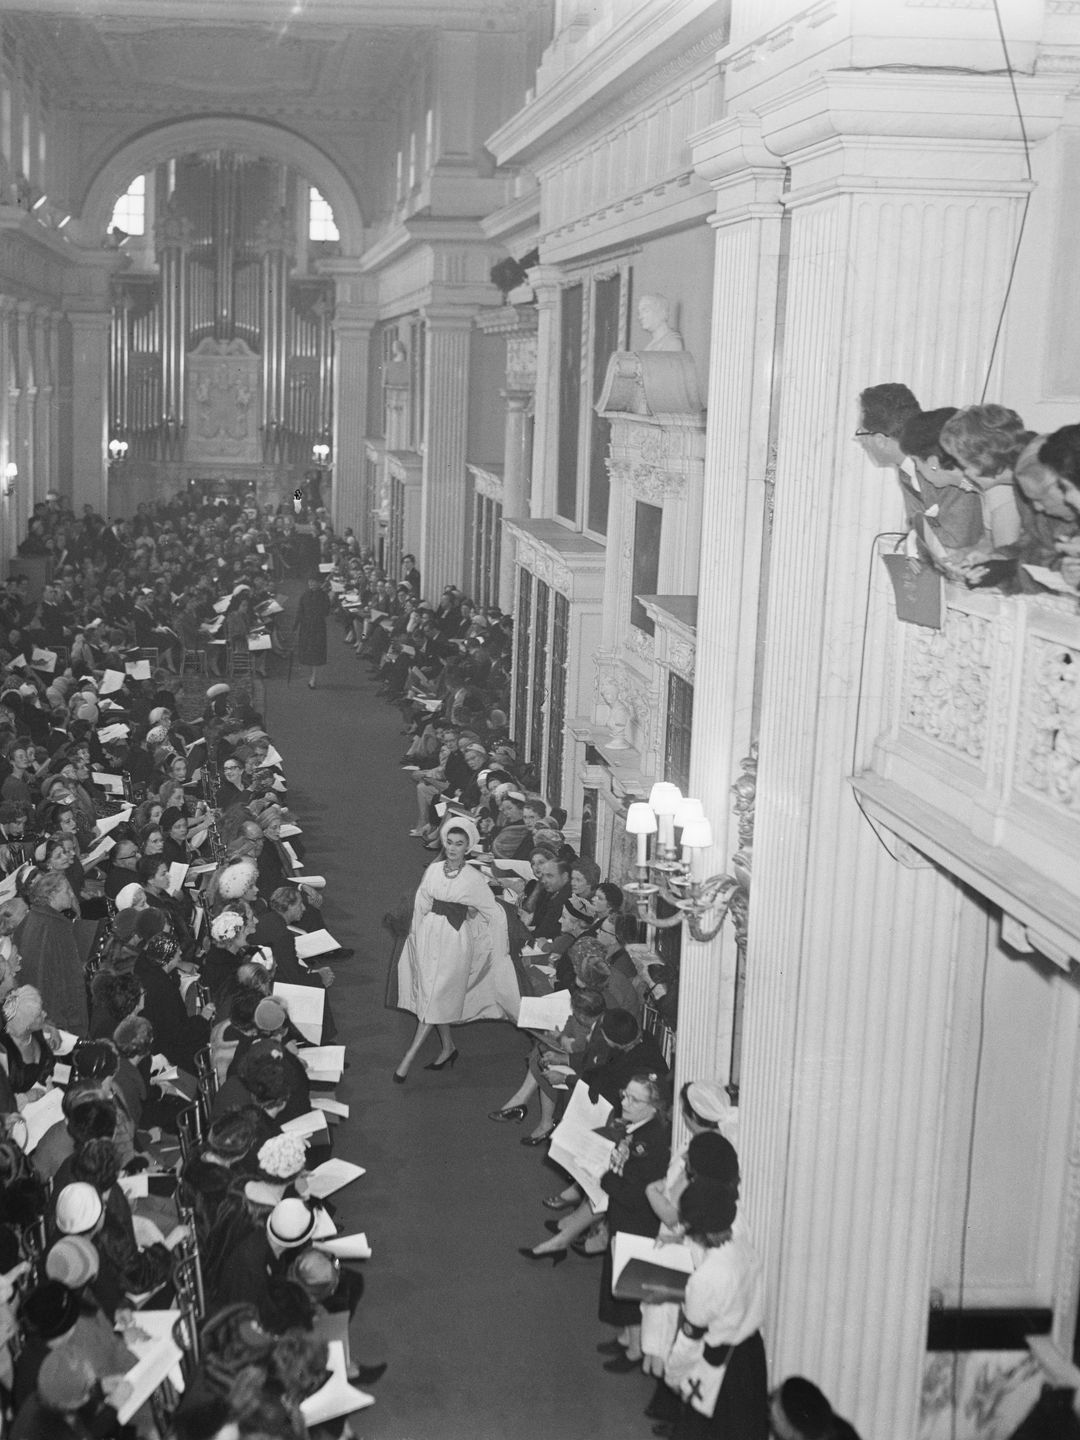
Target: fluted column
x=355 y=314
x=89 y=408
x=44 y=418
x=544 y=280
x=851 y=954
x=748 y=181
x=352 y=337
x=444 y=501
x=515 y=484
x=173 y=238
x=29 y=487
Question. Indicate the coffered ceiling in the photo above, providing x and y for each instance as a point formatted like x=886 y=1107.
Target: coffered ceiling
x=185 y=56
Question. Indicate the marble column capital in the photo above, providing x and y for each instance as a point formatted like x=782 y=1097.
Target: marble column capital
x=747 y=178
x=448 y=318
x=353 y=286
x=899 y=130
x=86 y=318
x=350 y=319
x=545 y=281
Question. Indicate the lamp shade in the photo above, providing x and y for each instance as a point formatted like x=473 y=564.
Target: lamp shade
x=697 y=835
x=688 y=810
x=665 y=798
x=640 y=819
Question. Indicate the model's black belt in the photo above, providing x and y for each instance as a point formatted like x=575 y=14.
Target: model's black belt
x=451 y=910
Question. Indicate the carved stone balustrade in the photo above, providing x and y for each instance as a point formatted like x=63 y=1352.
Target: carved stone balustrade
x=979 y=768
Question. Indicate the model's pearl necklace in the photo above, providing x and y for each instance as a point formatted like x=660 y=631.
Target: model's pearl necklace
x=455 y=871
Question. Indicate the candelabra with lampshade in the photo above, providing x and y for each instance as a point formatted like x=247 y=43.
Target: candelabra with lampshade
x=675 y=869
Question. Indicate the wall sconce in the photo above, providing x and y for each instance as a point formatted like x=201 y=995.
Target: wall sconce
x=321 y=453
x=118 y=450
x=676 y=878
x=11 y=474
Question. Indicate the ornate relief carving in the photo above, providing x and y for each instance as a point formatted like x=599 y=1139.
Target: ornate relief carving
x=743 y=798
x=521 y=361
x=1048 y=758
x=625 y=706
x=487 y=484
x=977 y=1385
x=659 y=383
x=223 y=383
x=540 y=562
x=641 y=644
x=680 y=657
x=947 y=683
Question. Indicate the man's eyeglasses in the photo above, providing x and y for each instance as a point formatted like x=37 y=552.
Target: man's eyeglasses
x=860 y=434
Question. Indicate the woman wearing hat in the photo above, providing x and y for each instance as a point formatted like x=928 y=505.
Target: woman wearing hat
x=26 y=1040
x=708 y=1155
x=717 y=1363
x=51 y=959
x=455 y=965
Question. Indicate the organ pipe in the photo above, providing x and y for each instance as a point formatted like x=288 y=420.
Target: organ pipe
x=225 y=196
x=225 y=255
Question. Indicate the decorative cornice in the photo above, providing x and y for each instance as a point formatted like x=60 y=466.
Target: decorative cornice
x=509 y=320
x=563 y=558
x=594 y=93
x=405 y=465
x=486 y=482
x=910 y=109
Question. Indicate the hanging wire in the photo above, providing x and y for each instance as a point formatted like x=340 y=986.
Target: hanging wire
x=1026 y=206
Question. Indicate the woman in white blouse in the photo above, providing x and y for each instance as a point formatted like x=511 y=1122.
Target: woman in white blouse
x=717 y=1363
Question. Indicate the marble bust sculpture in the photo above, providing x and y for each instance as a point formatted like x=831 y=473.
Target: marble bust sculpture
x=654 y=315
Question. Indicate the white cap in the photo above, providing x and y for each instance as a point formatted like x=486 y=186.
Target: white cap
x=78 y=1208
x=131 y=897
x=290 y=1223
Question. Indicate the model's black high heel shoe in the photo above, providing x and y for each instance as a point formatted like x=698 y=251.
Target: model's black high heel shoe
x=555 y=1256
x=450 y=1060
x=400 y=1079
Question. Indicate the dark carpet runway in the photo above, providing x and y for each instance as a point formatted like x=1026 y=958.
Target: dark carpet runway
x=481 y=1344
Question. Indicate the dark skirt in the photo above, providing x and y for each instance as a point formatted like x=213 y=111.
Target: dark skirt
x=610 y=1310
x=742 y=1407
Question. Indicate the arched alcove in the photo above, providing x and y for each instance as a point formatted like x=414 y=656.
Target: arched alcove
x=211 y=132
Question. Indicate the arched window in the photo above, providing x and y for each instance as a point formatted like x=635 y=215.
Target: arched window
x=320 y=219
x=130 y=212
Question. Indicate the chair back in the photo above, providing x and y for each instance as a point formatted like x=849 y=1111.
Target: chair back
x=190 y=1129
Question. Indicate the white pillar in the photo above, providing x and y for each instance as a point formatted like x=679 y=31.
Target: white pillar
x=89 y=408
x=747 y=223
x=515 y=485
x=352 y=336
x=30 y=487
x=444 y=502
x=45 y=419
x=899 y=256
x=544 y=280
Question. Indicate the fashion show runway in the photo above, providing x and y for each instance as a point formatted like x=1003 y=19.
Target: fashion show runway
x=481 y=1344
